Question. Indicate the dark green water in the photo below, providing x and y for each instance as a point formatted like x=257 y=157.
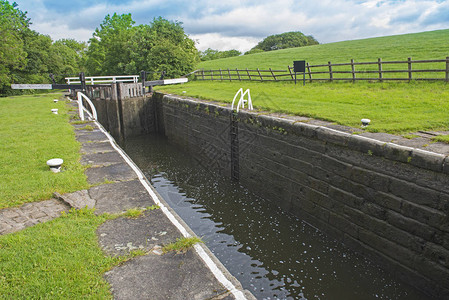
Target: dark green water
x=273 y=254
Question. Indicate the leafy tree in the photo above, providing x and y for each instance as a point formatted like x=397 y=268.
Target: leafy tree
x=211 y=54
x=27 y=56
x=167 y=48
x=13 y=23
x=230 y=53
x=78 y=47
x=73 y=54
x=253 y=51
x=120 y=48
x=108 y=52
x=45 y=57
x=285 y=40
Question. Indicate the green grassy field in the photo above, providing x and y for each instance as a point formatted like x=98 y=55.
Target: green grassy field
x=424 y=45
x=393 y=107
x=30 y=135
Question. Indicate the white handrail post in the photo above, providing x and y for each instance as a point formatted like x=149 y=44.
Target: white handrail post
x=80 y=106
x=232 y=106
x=250 y=103
x=242 y=100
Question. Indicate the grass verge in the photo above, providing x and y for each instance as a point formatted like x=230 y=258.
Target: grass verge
x=30 y=135
x=59 y=259
x=392 y=107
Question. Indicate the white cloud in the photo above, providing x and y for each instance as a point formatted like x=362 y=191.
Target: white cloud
x=219 y=42
x=63 y=31
x=241 y=24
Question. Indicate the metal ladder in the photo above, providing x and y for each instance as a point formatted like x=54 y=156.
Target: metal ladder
x=234 y=132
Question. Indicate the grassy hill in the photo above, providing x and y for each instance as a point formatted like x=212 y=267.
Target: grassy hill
x=424 y=45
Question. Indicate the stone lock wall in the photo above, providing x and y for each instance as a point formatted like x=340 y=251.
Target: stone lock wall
x=389 y=202
x=123 y=109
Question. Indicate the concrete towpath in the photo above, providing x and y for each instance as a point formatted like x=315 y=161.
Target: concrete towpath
x=195 y=274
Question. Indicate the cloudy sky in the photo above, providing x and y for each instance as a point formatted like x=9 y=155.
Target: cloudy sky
x=233 y=24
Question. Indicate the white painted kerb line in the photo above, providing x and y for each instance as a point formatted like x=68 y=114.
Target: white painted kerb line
x=204 y=256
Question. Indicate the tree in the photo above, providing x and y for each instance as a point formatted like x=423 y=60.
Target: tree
x=74 y=55
x=211 y=54
x=230 y=53
x=13 y=23
x=108 y=52
x=167 y=48
x=120 y=48
x=285 y=40
x=27 y=56
x=253 y=51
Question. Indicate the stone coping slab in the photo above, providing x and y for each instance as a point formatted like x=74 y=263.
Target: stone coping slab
x=146 y=278
x=122 y=235
x=101 y=159
x=115 y=172
x=120 y=196
x=90 y=136
x=93 y=148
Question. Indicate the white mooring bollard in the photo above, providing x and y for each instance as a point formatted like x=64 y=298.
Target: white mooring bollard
x=55 y=164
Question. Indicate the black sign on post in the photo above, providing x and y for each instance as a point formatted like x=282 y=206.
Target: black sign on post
x=143 y=76
x=83 y=81
x=299 y=66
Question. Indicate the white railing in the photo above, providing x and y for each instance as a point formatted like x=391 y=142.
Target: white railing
x=82 y=109
x=104 y=79
x=242 y=100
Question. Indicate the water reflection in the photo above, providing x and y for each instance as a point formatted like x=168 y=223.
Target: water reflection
x=273 y=254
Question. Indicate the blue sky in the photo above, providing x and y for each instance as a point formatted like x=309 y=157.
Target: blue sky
x=233 y=24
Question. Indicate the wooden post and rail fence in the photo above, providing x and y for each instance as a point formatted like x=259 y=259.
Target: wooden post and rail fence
x=408 y=70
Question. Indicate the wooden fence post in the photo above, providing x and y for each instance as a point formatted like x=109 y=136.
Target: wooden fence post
x=249 y=75
x=273 y=74
x=229 y=73
x=379 y=62
x=331 y=76
x=238 y=74
x=261 y=78
x=353 y=70
x=447 y=69
x=202 y=73
x=308 y=70
x=291 y=74
x=409 y=69
x=211 y=75
x=221 y=75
